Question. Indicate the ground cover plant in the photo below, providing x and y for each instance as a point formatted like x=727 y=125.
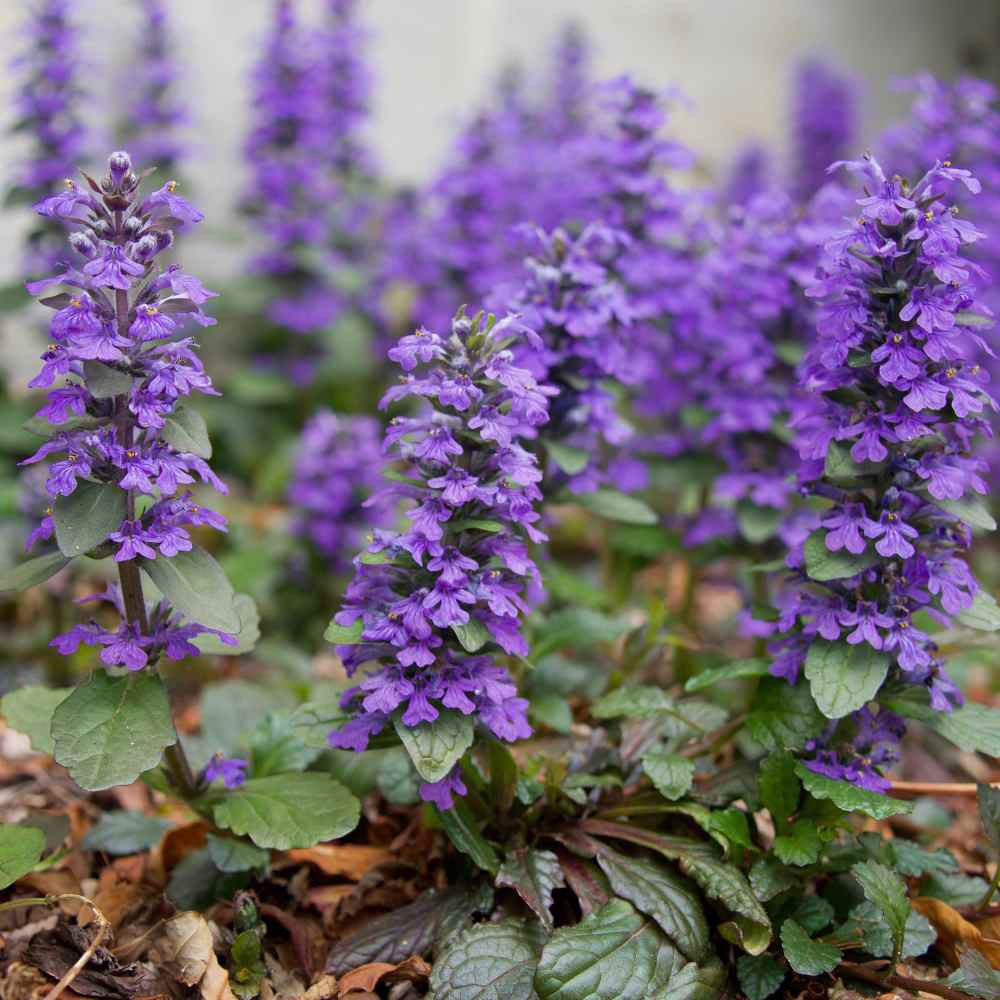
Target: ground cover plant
x=573 y=580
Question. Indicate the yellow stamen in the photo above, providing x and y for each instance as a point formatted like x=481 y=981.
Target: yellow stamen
x=171 y=186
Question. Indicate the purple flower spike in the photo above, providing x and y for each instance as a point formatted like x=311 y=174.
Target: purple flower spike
x=459 y=578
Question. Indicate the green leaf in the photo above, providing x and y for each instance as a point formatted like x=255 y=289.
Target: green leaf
x=289 y=810
x=231 y=709
x=728 y=671
x=974 y=728
x=571 y=460
x=843 y=677
x=473 y=635
x=982 y=614
x=966 y=318
x=343 y=635
x=111 y=729
x=695 y=982
x=886 y=890
x=20 y=850
x=780 y=789
x=435 y=747
x=970 y=509
x=814 y=913
x=823 y=565
x=577 y=628
x=806 y=956
x=29 y=710
x=988 y=798
x=551 y=710
x=732 y=824
x=637 y=701
x=31 y=573
x=849 y=797
x=87 y=516
x=866 y=920
x=397 y=778
x=839 y=464
x=670 y=773
x=659 y=892
x=770 y=879
x=196 y=586
x=759 y=976
x=784 y=716
x=489 y=962
x=246 y=635
x=975 y=975
x=122 y=832
x=196 y=883
x=460 y=825
x=185 y=429
x=275 y=748
x=757 y=524
x=231 y=855
x=616 y=506
x=613 y=954
x=533 y=875
x=104 y=382
x=477 y=524
x=954 y=888
x=247 y=970
x=800 y=846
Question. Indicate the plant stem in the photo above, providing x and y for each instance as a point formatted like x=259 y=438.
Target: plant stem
x=991 y=891
x=902 y=982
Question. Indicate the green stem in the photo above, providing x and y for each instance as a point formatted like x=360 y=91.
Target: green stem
x=14 y=904
x=991 y=891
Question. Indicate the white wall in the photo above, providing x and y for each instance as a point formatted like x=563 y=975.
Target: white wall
x=433 y=57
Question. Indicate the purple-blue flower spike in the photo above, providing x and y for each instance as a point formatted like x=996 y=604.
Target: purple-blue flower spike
x=154 y=116
x=459 y=577
x=46 y=110
x=337 y=468
x=903 y=399
x=122 y=321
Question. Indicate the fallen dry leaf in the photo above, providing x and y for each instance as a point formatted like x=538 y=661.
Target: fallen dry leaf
x=186 y=950
x=325 y=988
x=352 y=861
x=410 y=970
x=181 y=841
x=364 y=978
x=955 y=933
x=325 y=897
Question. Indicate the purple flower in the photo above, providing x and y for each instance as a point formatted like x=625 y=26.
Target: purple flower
x=441 y=792
x=232 y=770
x=846 y=525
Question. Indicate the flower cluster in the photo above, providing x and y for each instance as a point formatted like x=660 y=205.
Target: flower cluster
x=902 y=400
x=118 y=370
x=580 y=312
x=824 y=124
x=46 y=110
x=154 y=114
x=426 y=600
x=291 y=190
x=337 y=468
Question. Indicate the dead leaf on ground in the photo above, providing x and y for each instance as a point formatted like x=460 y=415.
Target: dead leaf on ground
x=326 y=897
x=364 y=978
x=955 y=933
x=186 y=950
x=325 y=988
x=181 y=841
x=352 y=861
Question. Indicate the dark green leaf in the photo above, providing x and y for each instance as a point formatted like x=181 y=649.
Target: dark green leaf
x=659 y=892
x=105 y=382
x=551 y=710
x=770 y=879
x=111 y=729
x=473 y=635
x=196 y=586
x=275 y=749
x=195 y=883
x=397 y=778
x=806 y=956
x=577 y=628
x=866 y=920
x=344 y=635
x=289 y=810
x=29 y=710
x=87 y=516
x=823 y=565
x=231 y=855
x=886 y=890
x=533 y=875
x=989 y=812
x=814 y=913
x=849 y=797
x=780 y=789
x=839 y=464
x=246 y=636
x=638 y=701
x=613 y=954
x=185 y=429
x=230 y=710
x=757 y=524
x=954 y=888
x=732 y=824
x=728 y=671
x=759 y=976
x=460 y=825
x=32 y=572
x=616 y=506
x=121 y=832
x=695 y=982
x=976 y=975
x=489 y=962
x=435 y=747
x=973 y=727
x=20 y=850
x=843 y=677
x=800 y=846
x=784 y=716
x=670 y=773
